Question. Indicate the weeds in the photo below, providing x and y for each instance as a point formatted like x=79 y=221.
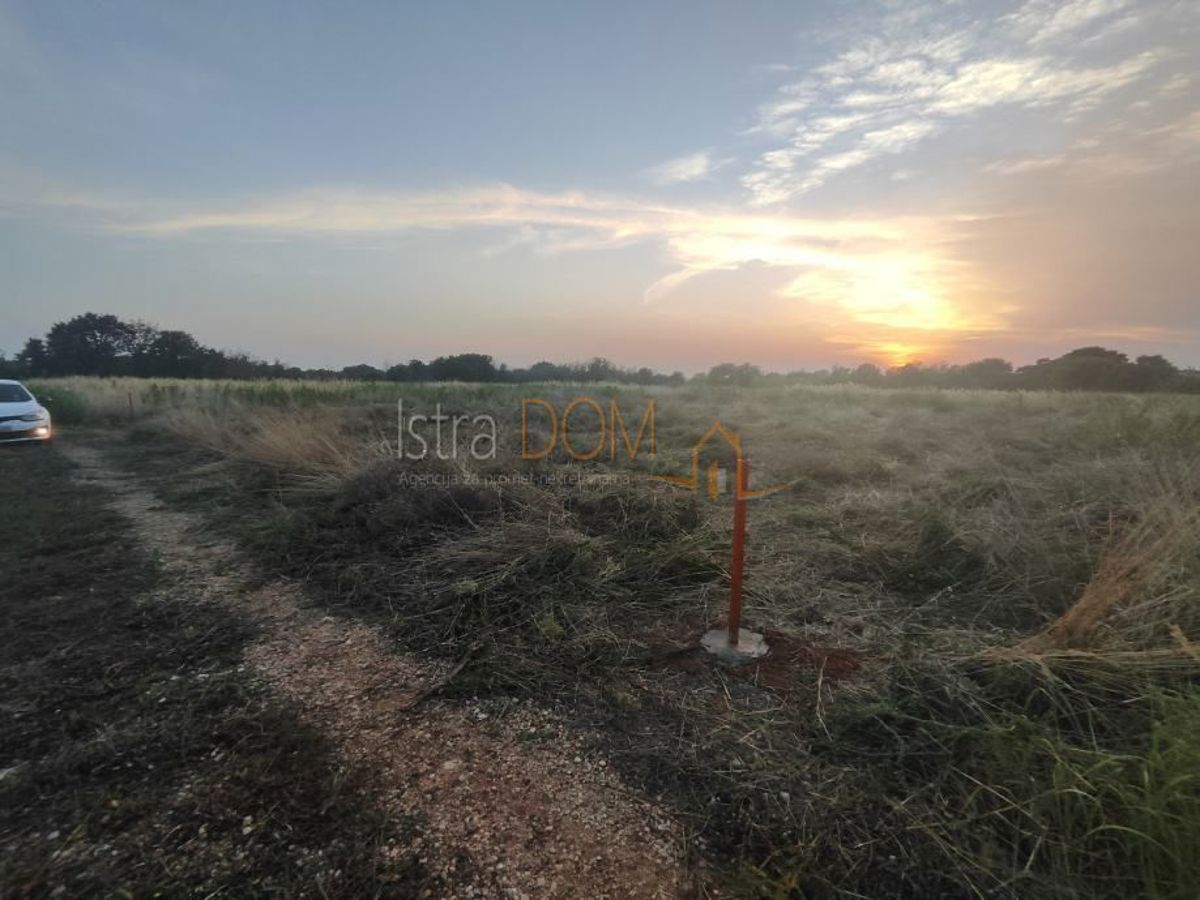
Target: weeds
x=1017 y=574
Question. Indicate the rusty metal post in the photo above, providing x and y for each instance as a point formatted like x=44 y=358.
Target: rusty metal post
x=739 y=549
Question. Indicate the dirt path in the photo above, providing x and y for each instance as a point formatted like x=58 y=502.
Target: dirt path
x=508 y=806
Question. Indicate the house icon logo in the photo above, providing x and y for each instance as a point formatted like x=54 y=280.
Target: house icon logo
x=714 y=477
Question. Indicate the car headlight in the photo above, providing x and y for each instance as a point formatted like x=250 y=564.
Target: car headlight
x=40 y=416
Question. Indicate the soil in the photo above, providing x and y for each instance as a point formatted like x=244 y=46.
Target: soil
x=790 y=660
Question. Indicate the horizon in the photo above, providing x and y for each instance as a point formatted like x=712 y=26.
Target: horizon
x=672 y=187
x=386 y=365
x=51 y=355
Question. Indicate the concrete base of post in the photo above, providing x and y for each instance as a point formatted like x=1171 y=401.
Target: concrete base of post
x=750 y=646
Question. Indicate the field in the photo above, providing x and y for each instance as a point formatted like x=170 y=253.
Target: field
x=983 y=608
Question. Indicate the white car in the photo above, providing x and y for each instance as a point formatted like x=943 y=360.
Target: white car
x=22 y=418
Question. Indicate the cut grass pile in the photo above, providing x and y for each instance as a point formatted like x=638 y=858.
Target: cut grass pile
x=1017 y=574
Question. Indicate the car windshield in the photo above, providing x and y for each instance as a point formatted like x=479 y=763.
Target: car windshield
x=13 y=393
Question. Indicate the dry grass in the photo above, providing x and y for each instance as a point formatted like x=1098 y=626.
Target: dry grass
x=933 y=534
x=1141 y=605
x=311 y=447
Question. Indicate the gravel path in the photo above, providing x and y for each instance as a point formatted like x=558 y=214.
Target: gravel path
x=508 y=805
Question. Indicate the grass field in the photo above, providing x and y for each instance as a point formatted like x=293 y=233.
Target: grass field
x=984 y=608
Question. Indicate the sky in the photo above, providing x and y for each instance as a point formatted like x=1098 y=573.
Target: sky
x=672 y=184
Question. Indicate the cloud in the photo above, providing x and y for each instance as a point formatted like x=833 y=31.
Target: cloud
x=693 y=167
x=1034 y=83
x=1175 y=85
x=773 y=183
x=1045 y=21
x=1026 y=165
x=895 y=260
x=887 y=95
x=1181 y=135
x=778 y=116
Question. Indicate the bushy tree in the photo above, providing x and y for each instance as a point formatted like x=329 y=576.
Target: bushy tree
x=1154 y=373
x=171 y=353
x=742 y=375
x=93 y=344
x=463 y=367
x=1099 y=369
x=601 y=369
x=867 y=373
x=986 y=373
x=547 y=371
x=31 y=361
x=363 y=372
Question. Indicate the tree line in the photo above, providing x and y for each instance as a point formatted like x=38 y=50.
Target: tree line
x=99 y=344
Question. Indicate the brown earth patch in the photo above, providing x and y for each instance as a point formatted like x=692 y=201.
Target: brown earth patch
x=789 y=662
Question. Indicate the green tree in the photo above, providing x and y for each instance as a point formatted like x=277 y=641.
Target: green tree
x=463 y=367
x=173 y=354
x=992 y=372
x=32 y=358
x=363 y=372
x=1154 y=373
x=743 y=374
x=92 y=344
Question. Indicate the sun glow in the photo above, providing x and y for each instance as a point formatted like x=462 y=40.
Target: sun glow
x=893 y=292
x=884 y=281
x=894 y=354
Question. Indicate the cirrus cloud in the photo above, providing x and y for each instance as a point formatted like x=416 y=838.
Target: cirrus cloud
x=885 y=96
x=693 y=167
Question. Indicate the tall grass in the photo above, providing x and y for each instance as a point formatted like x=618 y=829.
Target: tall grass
x=1019 y=574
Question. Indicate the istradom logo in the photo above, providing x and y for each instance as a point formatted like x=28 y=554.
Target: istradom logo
x=606 y=437
x=713 y=475
x=415 y=433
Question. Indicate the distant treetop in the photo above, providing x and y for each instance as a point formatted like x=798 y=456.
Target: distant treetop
x=99 y=344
